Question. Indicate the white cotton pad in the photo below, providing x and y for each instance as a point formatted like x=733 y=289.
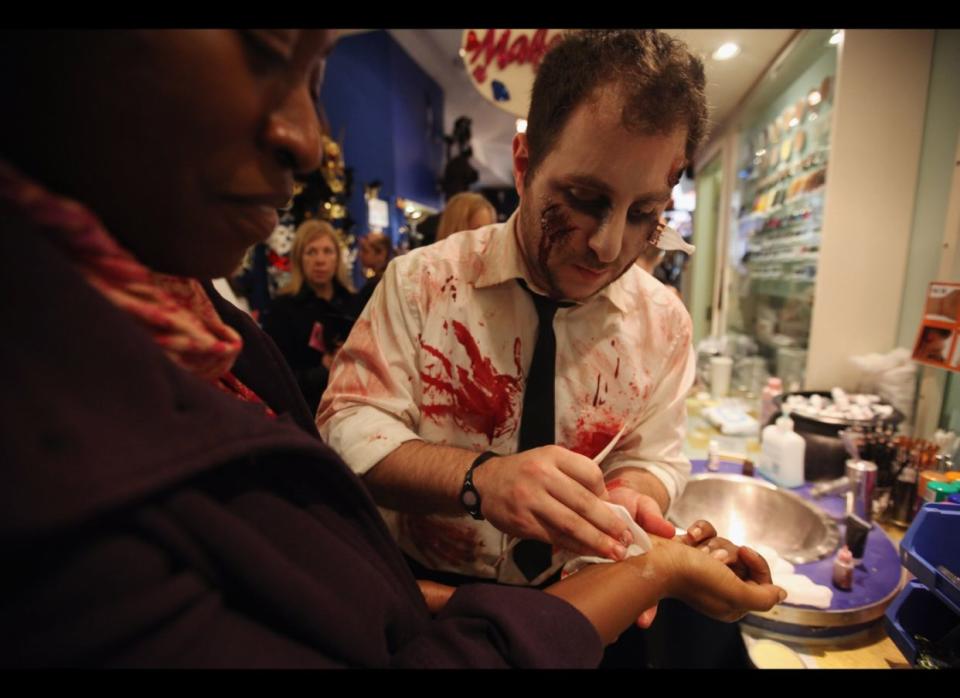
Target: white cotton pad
x=801 y=591
x=641 y=543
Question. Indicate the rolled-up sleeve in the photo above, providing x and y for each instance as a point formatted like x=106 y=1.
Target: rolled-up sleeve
x=370 y=406
x=656 y=443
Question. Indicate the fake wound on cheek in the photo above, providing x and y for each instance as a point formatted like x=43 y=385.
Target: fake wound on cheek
x=555 y=227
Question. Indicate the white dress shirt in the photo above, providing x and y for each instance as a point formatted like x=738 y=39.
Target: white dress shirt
x=440 y=353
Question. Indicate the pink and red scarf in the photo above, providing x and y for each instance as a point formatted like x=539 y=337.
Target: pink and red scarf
x=174 y=310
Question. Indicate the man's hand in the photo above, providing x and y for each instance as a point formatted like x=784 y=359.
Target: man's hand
x=555 y=495
x=642 y=508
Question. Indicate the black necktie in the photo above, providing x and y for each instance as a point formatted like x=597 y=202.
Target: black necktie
x=537 y=420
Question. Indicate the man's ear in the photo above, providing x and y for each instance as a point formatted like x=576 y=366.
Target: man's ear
x=521 y=161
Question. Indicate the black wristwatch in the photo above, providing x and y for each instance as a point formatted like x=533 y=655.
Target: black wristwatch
x=469 y=496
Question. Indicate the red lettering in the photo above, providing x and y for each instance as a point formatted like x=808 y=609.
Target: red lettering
x=471 y=41
x=491 y=47
x=518 y=53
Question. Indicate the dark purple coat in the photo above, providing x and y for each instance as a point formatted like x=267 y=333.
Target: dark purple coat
x=148 y=519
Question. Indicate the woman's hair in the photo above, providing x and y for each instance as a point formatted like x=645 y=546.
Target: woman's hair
x=460 y=208
x=307 y=232
x=381 y=243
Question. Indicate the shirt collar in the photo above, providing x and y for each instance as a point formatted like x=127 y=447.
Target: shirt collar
x=503 y=261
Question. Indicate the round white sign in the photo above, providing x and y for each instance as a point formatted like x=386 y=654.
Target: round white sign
x=503 y=62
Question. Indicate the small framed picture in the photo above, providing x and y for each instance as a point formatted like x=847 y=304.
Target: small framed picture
x=943 y=303
x=934 y=344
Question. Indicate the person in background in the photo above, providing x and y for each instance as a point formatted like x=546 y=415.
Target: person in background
x=465 y=211
x=311 y=317
x=375 y=252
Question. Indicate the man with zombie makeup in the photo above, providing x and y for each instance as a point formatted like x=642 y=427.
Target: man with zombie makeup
x=431 y=400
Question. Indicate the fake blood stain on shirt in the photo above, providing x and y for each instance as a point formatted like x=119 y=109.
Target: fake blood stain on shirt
x=594 y=433
x=362 y=375
x=453 y=289
x=482 y=400
x=440 y=541
x=597 y=400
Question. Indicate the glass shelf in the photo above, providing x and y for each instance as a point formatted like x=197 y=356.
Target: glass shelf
x=773 y=255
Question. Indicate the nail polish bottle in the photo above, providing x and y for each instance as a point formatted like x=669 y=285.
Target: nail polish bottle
x=843 y=569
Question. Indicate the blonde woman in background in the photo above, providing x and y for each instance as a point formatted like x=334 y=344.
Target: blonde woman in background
x=465 y=211
x=312 y=315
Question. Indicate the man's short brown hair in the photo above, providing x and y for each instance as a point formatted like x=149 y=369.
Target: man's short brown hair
x=662 y=84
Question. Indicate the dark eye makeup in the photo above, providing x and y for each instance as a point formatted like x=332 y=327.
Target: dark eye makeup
x=598 y=206
x=587 y=202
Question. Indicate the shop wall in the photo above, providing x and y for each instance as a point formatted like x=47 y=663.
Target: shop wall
x=390 y=116
x=418 y=148
x=824 y=66
x=357 y=98
x=881 y=98
x=940 y=138
x=940 y=134
x=705 y=228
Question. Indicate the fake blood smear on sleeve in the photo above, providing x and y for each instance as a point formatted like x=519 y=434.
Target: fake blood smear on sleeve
x=481 y=399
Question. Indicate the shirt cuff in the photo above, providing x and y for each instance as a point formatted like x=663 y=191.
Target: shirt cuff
x=669 y=478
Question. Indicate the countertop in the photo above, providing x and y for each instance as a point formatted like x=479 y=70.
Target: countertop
x=871 y=649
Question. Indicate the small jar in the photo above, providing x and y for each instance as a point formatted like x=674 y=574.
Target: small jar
x=843 y=569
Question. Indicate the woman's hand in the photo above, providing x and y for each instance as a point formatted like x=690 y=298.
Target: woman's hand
x=703 y=536
x=614 y=596
x=704 y=583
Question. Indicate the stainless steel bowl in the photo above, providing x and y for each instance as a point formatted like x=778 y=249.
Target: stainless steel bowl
x=750 y=510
